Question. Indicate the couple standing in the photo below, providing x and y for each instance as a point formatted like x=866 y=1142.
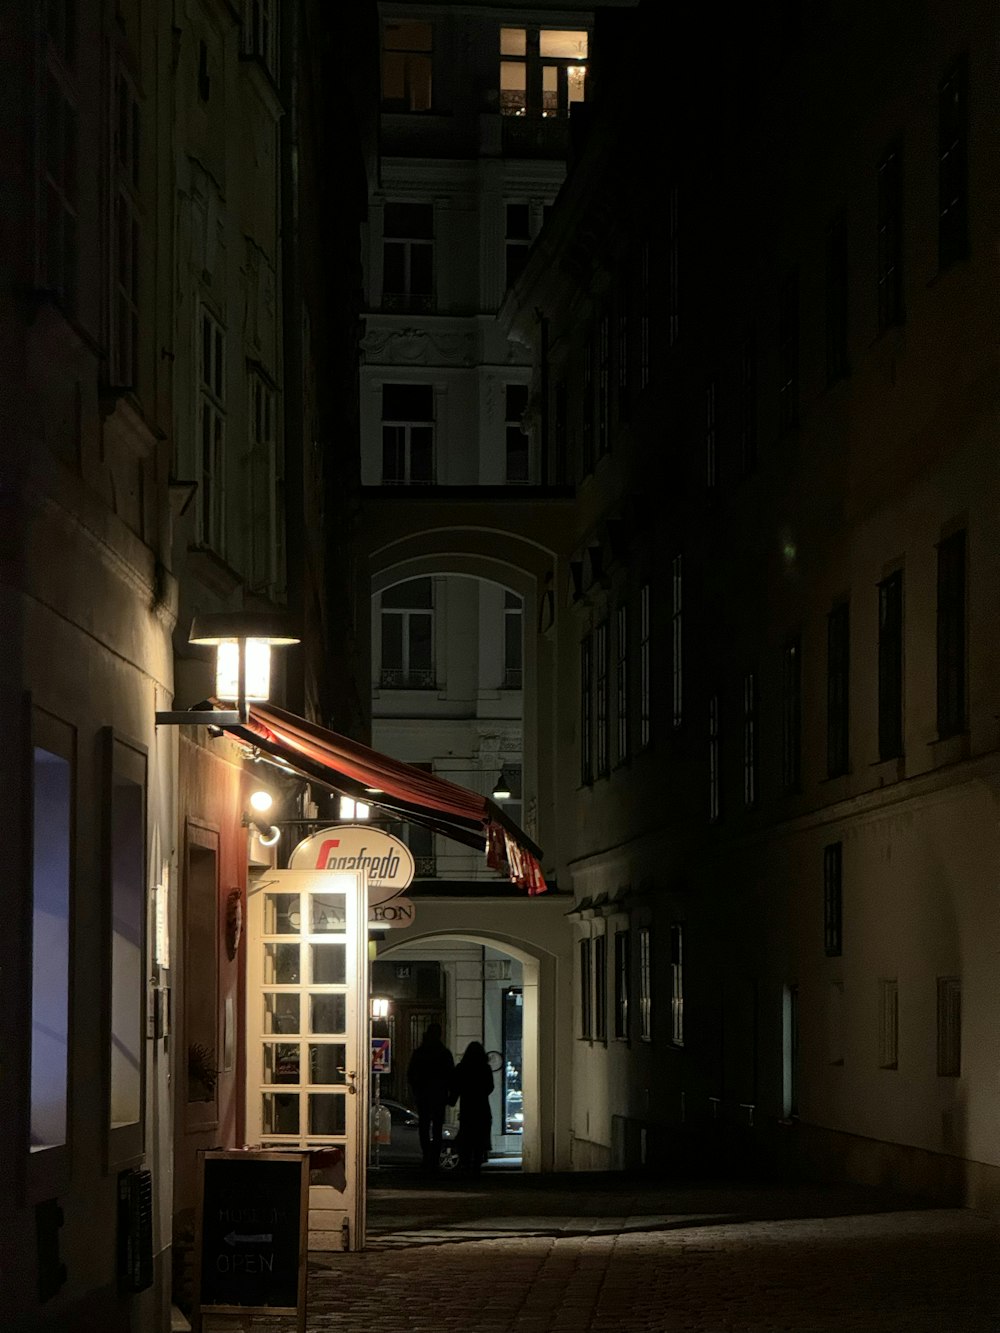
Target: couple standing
x=438 y=1082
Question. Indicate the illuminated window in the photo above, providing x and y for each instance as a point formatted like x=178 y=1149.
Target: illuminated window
x=51 y=898
x=542 y=71
x=407 y=66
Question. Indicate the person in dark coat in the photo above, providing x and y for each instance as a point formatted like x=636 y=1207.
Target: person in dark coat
x=429 y=1074
x=471 y=1088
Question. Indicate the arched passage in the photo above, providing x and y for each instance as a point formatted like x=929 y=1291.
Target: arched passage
x=533 y=933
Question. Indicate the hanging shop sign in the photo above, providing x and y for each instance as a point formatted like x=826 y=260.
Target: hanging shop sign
x=388 y=862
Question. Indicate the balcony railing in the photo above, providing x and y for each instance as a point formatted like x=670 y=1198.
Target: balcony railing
x=395 y=678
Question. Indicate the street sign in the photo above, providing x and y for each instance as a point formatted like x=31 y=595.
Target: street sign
x=381 y=1055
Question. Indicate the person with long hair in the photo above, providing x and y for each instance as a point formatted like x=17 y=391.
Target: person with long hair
x=471 y=1088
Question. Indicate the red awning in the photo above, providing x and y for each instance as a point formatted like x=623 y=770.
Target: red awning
x=353 y=769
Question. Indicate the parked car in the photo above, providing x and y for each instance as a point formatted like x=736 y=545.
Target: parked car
x=404 y=1146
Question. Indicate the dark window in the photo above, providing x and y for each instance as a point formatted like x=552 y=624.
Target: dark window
x=408 y=254
x=953 y=165
x=645 y=315
x=622 y=683
x=677 y=985
x=711 y=441
x=677 y=636
x=750 y=740
x=407 y=433
x=407 y=66
x=408 y=635
x=516 y=399
x=57 y=251
x=603 y=383
x=260 y=34
x=890 y=237
x=949 y=1027
x=601 y=987
x=788 y=353
x=623 y=982
x=603 y=700
x=836 y=300
x=951 y=636
x=714 y=772
x=838 y=656
x=673 y=302
x=890 y=666
x=791 y=715
x=587 y=710
x=560 y=430
x=587 y=459
x=747 y=396
x=517 y=240
x=586 y=986
x=645 y=665
x=833 y=900
x=513 y=653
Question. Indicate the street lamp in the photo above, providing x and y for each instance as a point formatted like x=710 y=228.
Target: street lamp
x=243 y=641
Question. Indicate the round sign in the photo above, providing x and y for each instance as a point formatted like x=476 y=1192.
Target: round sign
x=388 y=861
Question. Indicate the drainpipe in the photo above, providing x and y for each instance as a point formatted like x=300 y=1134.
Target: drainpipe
x=292 y=352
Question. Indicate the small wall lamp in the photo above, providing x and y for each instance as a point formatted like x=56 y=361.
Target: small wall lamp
x=501 y=792
x=243 y=641
x=380 y=1006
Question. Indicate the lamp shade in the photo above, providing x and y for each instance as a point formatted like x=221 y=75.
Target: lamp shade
x=219 y=626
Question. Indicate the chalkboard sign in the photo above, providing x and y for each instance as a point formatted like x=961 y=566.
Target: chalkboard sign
x=250 y=1245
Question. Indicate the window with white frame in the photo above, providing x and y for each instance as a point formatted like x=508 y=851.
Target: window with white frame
x=513 y=641
x=266 y=488
x=212 y=432
x=543 y=71
x=407 y=256
x=407 y=434
x=623 y=982
x=57 y=163
x=677 y=985
x=645 y=985
x=586 y=991
x=408 y=636
x=601 y=988
x=260 y=33
x=125 y=236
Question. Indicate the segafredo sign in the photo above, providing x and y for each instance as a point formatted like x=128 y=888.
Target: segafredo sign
x=387 y=861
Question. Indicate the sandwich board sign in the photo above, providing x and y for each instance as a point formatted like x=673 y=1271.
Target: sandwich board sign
x=381 y=1055
x=251 y=1241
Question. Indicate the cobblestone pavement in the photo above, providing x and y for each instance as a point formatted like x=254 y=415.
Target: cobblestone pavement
x=610 y=1254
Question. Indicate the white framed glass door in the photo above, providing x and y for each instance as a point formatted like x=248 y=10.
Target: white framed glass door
x=307 y=1035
